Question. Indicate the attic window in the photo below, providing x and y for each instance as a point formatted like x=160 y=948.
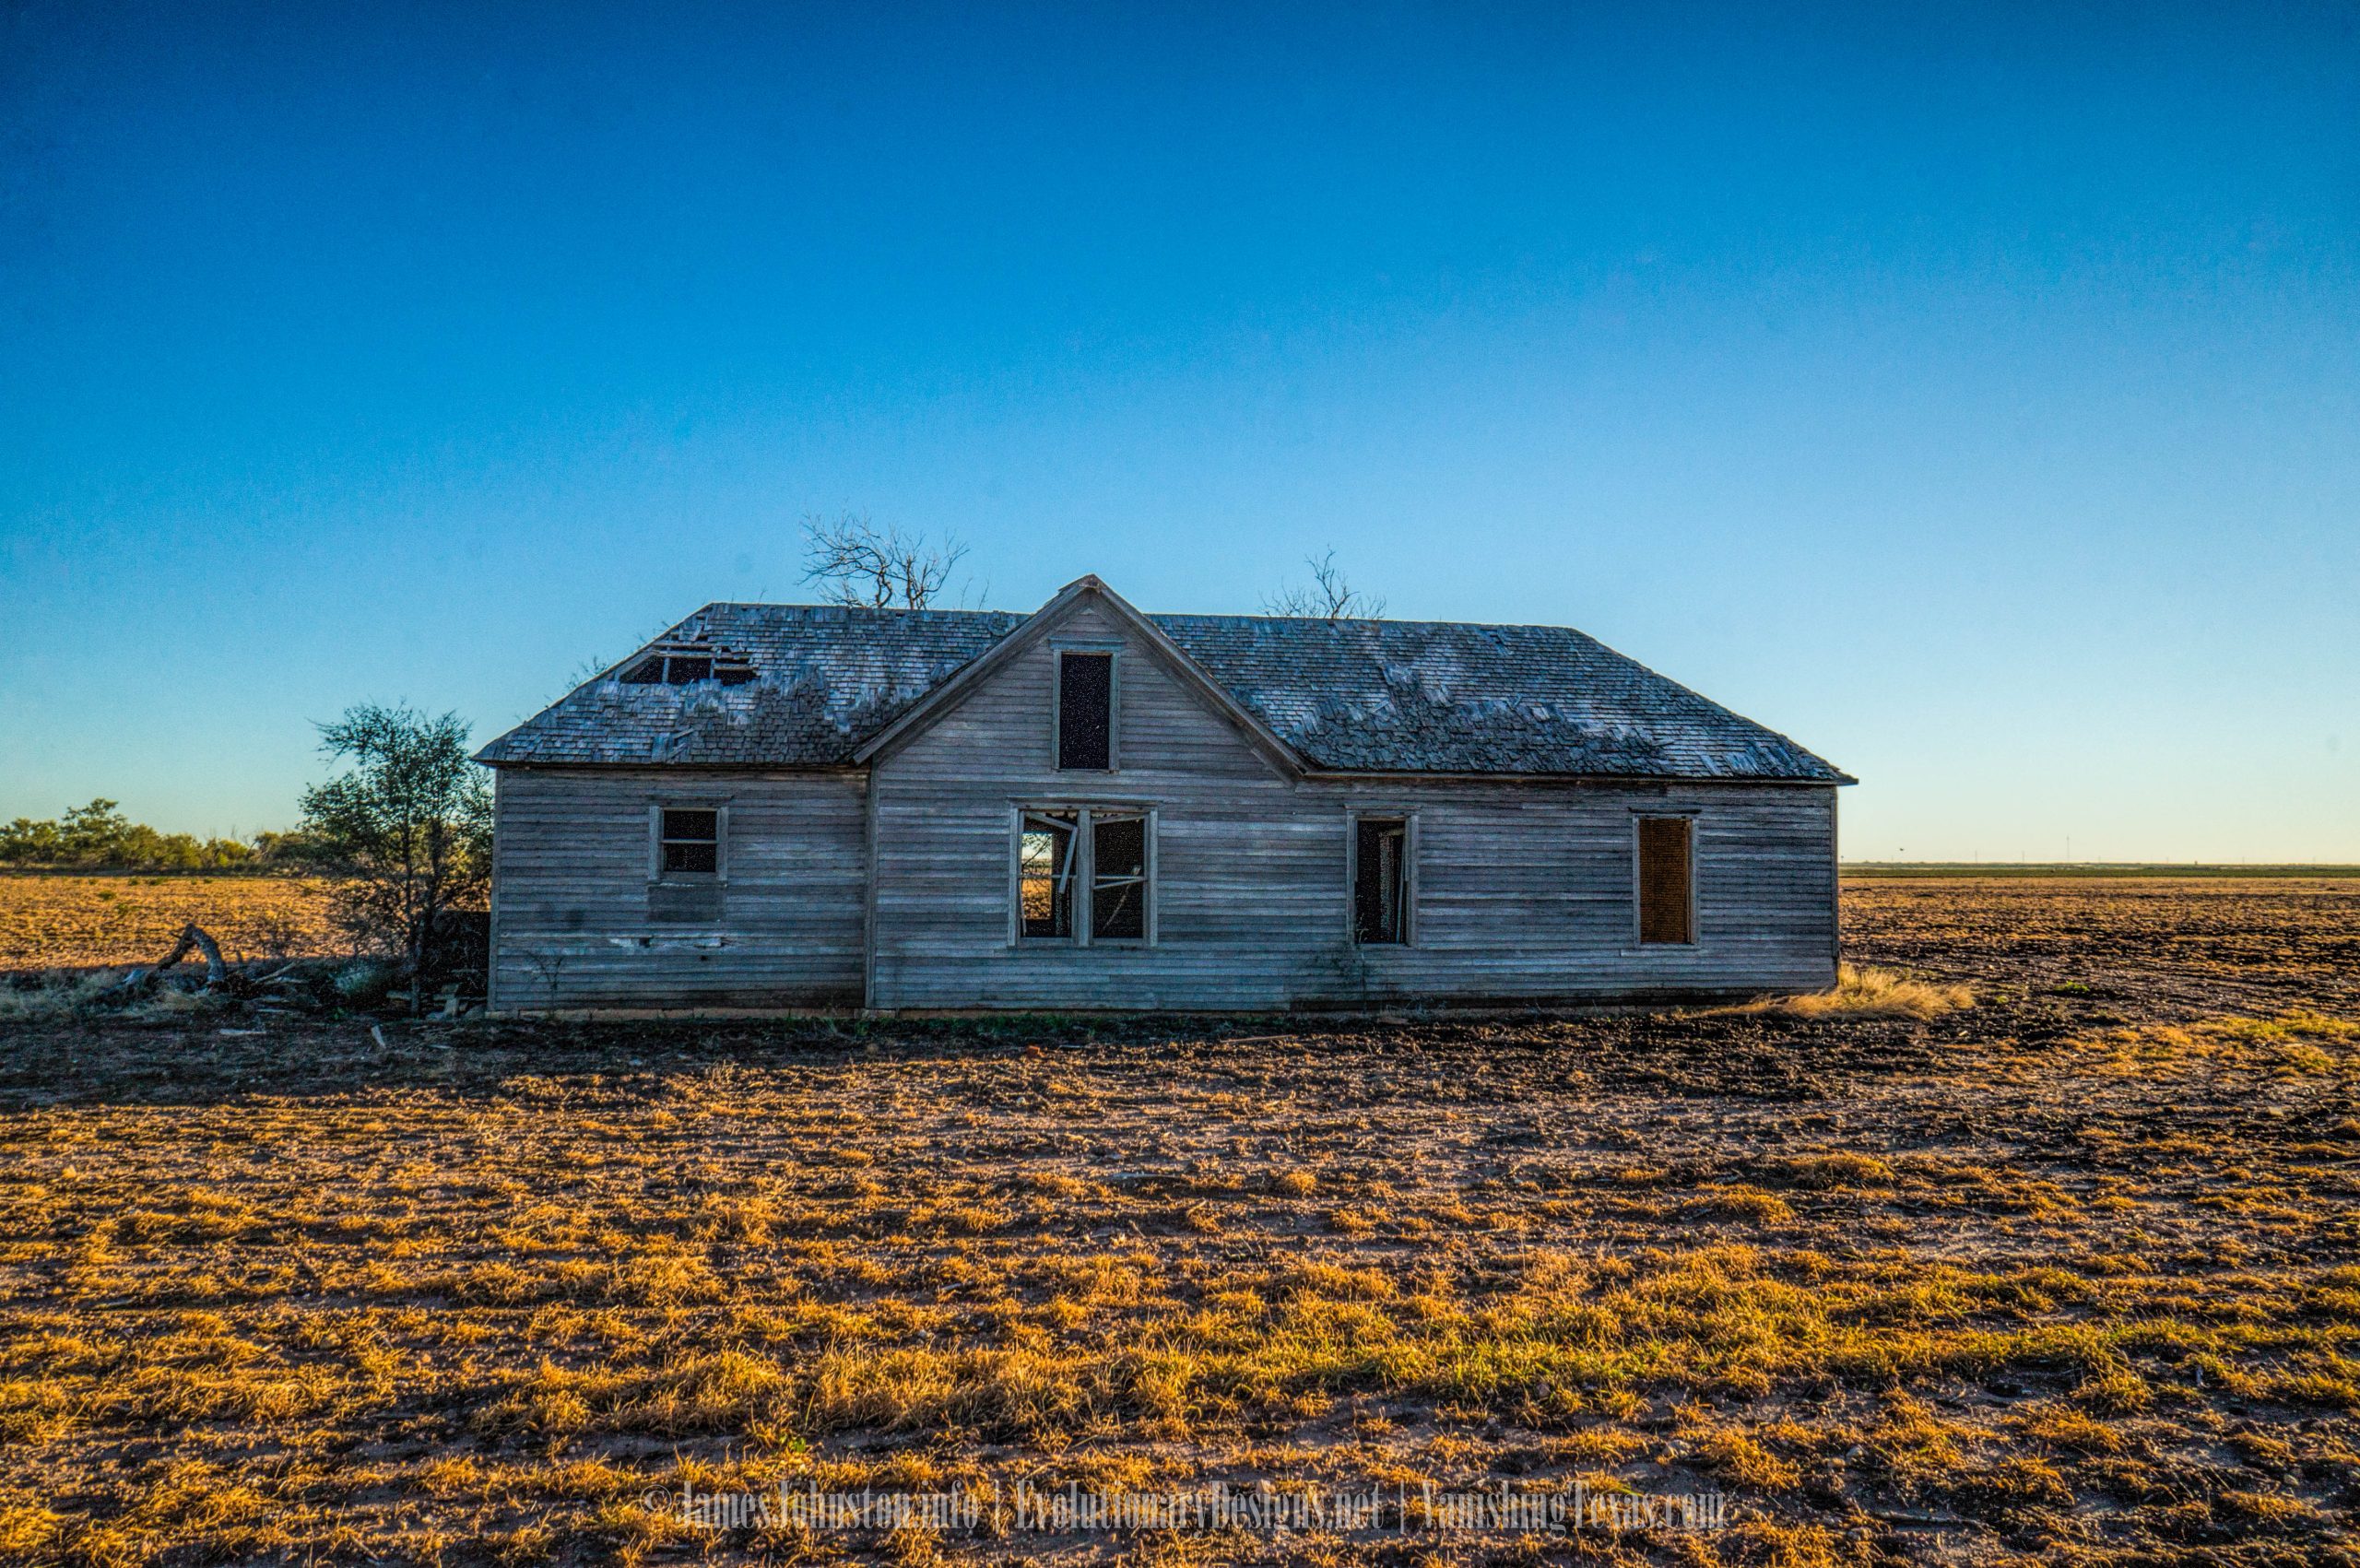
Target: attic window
x=685 y=666
x=1085 y=711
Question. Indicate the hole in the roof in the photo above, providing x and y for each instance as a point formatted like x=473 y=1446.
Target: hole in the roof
x=688 y=666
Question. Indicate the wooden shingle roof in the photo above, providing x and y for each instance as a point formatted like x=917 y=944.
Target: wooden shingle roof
x=1350 y=696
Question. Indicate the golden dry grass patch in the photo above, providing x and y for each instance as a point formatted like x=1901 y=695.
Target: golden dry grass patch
x=1866 y=992
x=76 y=922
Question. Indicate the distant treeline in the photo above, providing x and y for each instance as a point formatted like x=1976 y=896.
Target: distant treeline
x=98 y=837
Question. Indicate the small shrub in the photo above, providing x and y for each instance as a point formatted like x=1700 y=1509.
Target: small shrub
x=1872 y=993
x=364 y=983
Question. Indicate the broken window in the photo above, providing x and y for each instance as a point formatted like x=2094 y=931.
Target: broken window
x=1380 y=879
x=690 y=841
x=1044 y=871
x=665 y=666
x=1085 y=875
x=1666 y=909
x=1118 y=878
x=1085 y=710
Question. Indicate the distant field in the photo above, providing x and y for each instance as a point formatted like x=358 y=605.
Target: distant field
x=2082 y=869
x=84 y=922
x=2071 y=1275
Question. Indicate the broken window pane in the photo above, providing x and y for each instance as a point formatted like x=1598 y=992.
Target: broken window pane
x=692 y=840
x=1085 y=698
x=1045 y=874
x=1665 y=909
x=1379 y=875
x=1118 y=878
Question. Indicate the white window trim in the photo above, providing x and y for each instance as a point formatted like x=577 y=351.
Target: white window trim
x=1083 y=875
x=1639 y=945
x=720 y=809
x=1409 y=820
x=1113 y=654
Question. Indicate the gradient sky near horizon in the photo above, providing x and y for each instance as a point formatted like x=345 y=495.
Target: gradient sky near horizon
x=1970 y=393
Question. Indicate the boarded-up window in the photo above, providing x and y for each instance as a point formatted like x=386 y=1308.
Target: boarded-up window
x=691 y=842
x=1045 y=874
x=1380 y=879
x=690 y=903
x=1118 y=878
x=1085 y=710
x=1664 y=911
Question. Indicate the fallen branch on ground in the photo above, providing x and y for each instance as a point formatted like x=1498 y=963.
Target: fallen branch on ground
x=193 y=939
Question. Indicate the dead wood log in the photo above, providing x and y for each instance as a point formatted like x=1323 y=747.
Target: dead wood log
x=196 y=936
x=193 y=938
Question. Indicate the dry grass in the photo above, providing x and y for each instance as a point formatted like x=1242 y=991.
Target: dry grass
x=84 y=922
x=1874 y=993
x=1956 y=1288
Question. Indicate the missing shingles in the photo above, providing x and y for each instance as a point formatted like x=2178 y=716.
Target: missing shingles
x=688 y=661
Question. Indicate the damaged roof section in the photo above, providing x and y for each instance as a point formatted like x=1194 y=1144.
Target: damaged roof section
x=807 y=685
x=792 y=685
x=686 y=661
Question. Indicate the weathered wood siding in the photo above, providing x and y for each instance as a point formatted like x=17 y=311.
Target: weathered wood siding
x=571 y=922
x=1523 y=891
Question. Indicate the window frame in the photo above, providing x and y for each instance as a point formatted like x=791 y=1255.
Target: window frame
x=721 y=667
x=1409 y=820
x=1639 y=943
x=1084 y=874
x=1113 y=654
x=720 y=809
x=1075 y=868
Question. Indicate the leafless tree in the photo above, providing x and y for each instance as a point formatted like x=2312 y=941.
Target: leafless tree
x=855 y=563
x=1328 y=596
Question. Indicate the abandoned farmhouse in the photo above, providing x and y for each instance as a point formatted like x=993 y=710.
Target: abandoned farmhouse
x=796 y=806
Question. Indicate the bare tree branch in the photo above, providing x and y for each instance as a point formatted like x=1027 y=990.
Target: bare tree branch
x=1328 y=597
x=855 y=563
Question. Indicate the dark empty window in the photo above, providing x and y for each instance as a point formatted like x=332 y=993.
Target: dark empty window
x=1044 y=873
x=1664 y=911
x=1380 y=879
x=1118 y=878
x=691 y=842
x=687 y=669
x=1085 y=715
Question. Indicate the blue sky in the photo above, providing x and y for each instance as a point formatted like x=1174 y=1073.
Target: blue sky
x=1972 y=394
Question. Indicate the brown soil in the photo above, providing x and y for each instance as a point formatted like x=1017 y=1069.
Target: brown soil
x=2071 y=1273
